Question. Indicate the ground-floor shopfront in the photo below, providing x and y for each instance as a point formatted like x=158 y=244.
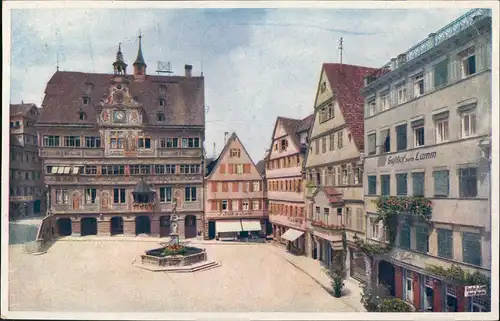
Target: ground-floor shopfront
x=355 y=263
x=426 y=293
x=294 y=239
x=232 y=229
x=188 y=225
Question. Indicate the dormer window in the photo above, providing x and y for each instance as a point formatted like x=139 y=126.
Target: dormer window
x=162 y=102
x=89 y=87
x=86 y=100
x=82 y=115
x=160 y=117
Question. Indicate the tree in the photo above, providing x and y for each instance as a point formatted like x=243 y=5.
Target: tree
x=373 y=295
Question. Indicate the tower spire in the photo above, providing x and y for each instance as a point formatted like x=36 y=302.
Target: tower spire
x=119 y=66
x=140 y=64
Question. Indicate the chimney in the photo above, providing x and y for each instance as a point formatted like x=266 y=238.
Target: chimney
x=188 y=69
x=225 y=138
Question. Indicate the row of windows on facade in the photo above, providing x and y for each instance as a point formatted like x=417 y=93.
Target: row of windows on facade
x=289 y=185
x=287 y=210
x=24 y=175
x=441 y=128
x=235 y=168
x=119 y=195
x=235 y=205
x=332 y=141
x=24 y=156
x=254 y=186
x=471 y=242
x=284 y=162
x=344 y=217
x=467 y=183
x=118 y=142
x=438 y=76
x=281 y=145
x=346 y=174
x=120 y=169
x=18 y=124
x=25 y=191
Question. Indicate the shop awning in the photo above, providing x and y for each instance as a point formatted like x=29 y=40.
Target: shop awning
x=291 y=235
x=228 y=226
x=251 y=225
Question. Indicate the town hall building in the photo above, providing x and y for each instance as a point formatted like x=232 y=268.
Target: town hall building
x=122 y=154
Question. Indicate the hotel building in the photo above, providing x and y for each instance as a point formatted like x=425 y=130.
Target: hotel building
x=428 y=134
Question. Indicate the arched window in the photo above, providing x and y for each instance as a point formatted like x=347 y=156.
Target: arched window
x=161 y=102
x=82 y=115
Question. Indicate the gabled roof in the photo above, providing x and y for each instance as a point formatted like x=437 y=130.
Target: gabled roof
x=293 y=127
x=346 y=82
x=20 y=109
x=184 y=103
x=333 y=195
x=214 y=164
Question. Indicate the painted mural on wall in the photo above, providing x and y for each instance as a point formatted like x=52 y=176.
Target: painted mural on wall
x=105 y=200
x=76 y=200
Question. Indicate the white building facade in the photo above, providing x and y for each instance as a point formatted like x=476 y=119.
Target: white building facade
x=428 y=134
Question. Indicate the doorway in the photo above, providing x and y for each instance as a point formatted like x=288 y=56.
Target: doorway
x=64 y=226
x=116 y=225
x=211 y=230
x=88 y=226
x=190 y=226
x=142 y=225
x=386 y=276
x=37 y=207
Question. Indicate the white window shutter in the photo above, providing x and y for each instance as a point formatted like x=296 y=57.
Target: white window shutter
x=455 y=70
x=429 y=79
x=409 y=89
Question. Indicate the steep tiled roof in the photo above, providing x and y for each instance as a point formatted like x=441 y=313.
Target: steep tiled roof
x=209 y=165
x=346 y=81
x=20 y=109
x=184 y=101
x=305 y=124
x=261 y=167
x=333 y=195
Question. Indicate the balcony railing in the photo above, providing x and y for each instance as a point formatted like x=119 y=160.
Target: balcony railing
x=146 y=207
x=430 y=42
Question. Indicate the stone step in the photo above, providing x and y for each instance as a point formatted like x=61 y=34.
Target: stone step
x=201 y=268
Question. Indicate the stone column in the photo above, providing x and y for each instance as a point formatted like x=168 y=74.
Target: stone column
x=438 y=296
x=103 y=228
x=129 y=227
x=347 y=262
x=200 y=226
x=155 y=227
x=75 y=227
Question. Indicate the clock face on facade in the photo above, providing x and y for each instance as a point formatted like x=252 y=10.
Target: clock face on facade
x=119 y=116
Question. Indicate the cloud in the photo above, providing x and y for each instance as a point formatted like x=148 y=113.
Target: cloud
x=258 y=64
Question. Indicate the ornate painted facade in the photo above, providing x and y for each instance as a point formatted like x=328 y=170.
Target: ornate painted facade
x=103 y=136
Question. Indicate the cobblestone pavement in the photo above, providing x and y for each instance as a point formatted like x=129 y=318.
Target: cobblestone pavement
x=95 y=276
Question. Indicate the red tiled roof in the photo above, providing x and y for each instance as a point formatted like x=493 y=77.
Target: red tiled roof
x=346 y=82
x=184 y=101
x=333 y=195
x=305 y=123
x=20 y=109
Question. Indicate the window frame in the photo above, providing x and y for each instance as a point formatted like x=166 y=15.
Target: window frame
x=442 y=129
x=416 y=136
x=444 y=252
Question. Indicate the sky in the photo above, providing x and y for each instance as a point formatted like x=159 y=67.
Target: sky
x=258 y=63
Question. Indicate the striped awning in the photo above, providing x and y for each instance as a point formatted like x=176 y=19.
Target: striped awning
x=291 y=235
x=228 y=226
x=251 y=225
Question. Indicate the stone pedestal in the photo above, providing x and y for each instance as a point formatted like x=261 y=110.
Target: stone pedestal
x=129 y=228
x=103 y=228
x=181 y=228
x=75 y=228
